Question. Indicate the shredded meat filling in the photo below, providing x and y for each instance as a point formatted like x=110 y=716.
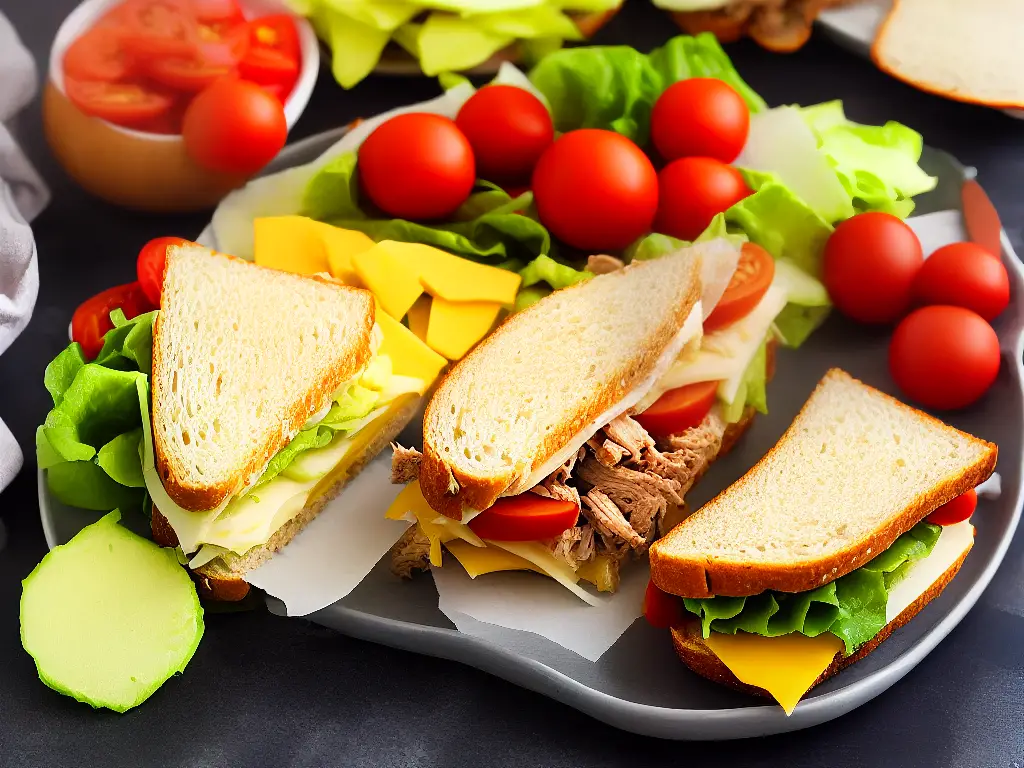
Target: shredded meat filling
x=608 y=519
x=405 y=464
x=410 y=553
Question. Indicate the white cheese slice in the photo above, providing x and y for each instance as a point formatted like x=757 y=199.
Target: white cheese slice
x=953 y=542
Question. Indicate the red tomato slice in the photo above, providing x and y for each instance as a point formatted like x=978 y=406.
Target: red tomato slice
x=122 y=103
x=223 y=44
x=212 y=11
x=92 y=318
x=157 y=28
x=150 y=266
x=190 y=75
x=679 y=409
x=274 y=55
x=753 y=277
x=526 y=517
x=98 y=55
x=955 y=511
x=661 y=609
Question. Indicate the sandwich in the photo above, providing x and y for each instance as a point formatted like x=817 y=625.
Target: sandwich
x=569 y=437
x=985 y=65
x=824 y=548
x=264 y=393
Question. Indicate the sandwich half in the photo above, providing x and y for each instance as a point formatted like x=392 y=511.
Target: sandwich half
x=535 y=450
x=270 y=391
x=822 y=549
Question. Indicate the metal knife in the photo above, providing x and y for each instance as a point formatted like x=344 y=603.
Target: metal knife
x=981 y=218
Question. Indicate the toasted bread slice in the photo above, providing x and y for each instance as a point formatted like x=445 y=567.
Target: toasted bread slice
x=242 y=357
x=854 y=471
x=538 y=383
x=984 y=66
x=695 y=653
x=224 y=577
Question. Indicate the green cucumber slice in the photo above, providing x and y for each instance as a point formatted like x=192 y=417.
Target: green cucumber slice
x=109 y=616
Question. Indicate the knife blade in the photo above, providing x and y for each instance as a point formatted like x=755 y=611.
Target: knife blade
x=981 y=218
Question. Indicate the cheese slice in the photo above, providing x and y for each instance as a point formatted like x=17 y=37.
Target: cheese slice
x=410 y=504
x=480 y=560
x=341 y=245
x=409 y=355
x=456 y=327
x=452 y=278
x=386 y=274
x=954 y=541
x=419 y=317
x=289 y=243
x=785 y=666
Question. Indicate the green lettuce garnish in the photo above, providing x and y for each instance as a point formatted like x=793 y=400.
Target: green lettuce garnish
x=852 y=607
x=615 y=87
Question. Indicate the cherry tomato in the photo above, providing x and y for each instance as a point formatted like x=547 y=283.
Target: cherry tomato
x=750 y=282
x=693 y=190
x=871 y=261
x=700 y=117
x=92 y=318
x=234 y=126
x=957 y=510
x=150 y=266
x=97 y=55
x=417 y=166
x=121 y=103
x=217 y=11
x=509 y=128
x=526 y=517
x=661 y=609
x=157 y=28
x=679 y=409
x=964 y=275
x=596 y=190
x=944 y=357
x=274 y=54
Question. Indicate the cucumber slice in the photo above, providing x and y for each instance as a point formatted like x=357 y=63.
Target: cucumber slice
x=109 y=616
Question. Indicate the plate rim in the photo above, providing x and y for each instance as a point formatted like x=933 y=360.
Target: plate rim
x=648 y=719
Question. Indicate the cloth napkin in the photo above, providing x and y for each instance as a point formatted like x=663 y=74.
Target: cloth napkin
x=23 y=195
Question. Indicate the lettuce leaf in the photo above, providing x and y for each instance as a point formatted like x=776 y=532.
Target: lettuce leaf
x=852 y=607
x=487 y=227
x=615 y=87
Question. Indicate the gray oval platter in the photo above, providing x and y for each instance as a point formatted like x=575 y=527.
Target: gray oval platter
x=638 y=685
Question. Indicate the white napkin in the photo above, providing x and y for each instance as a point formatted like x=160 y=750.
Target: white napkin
x=23 y=195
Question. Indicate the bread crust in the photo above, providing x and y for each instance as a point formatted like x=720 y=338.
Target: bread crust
x=694 y=652
x=450 y=491
x=202 y=497
x=704 y=578
x=222 y=578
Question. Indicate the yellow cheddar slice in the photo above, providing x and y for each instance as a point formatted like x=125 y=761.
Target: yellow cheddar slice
x=289 y=243
x=785 y=666
x=455 y=279
x=455 y=327
x=409 y=355
x=480 y=560
x=437 y=528
x=389 y=277
x=342 y=245
x=419 y=317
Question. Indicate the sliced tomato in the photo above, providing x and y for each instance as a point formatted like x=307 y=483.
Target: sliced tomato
x=154 y=29
x=189 y=75
x=526 y=517
x=661 y=609
x=274 y=55
x=122 y=103
x=679 y=409
x=749 y=284
x=217 y=11
x=223 y=43
x=92 y=318
x=150 y=266
x=98 y=55
x=277 y=91
x=955 y=511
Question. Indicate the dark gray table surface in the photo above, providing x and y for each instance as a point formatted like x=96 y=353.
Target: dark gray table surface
x=264 y=690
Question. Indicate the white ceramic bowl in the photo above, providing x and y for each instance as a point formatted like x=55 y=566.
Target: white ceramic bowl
x=147 y=171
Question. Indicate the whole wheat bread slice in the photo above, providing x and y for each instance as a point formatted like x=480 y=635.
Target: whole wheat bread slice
x=695 y=653
x=224 y=577
x=242 y=357
x=530 y=387
x=854 y=471
x=968 y=51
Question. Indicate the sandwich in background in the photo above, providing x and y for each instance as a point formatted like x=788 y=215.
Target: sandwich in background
x=824 y=548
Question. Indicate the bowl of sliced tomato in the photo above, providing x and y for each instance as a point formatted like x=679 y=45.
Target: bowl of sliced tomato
x=167 y=105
